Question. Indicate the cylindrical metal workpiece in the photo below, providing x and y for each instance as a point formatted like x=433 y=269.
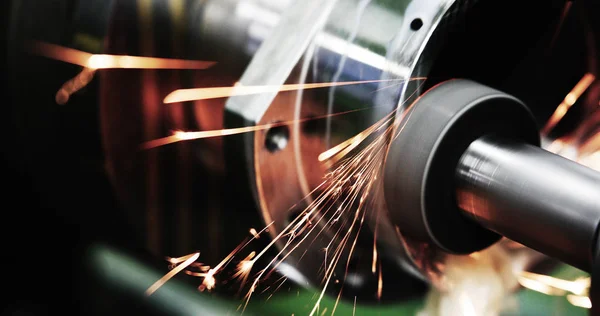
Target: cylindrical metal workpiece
x=532 y=196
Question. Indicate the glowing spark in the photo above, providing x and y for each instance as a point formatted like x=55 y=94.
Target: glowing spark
x=246 y=265
x=92 y=61
x=180 y=136
x=348 y=185
x=580 y=301
x=347 y=146
x=254 y=233
x=302 y=224
x=243 y=268
x=188 y=261
x=208 y=274
x=353 y=142
x=537 y=286
x=72 y=86
x=209 y=281
x=569 y=100
x=380 y=284
x=184 y=95
x=374 y=263
x=547 y=284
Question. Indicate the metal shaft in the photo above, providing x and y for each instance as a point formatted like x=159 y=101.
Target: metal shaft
x=532 y=196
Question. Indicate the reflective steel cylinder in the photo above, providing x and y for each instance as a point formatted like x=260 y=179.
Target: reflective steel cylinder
x=532 y=196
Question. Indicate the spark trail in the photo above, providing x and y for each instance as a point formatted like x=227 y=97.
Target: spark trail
x=355 y=175
x=180 y=136
x=340 y=204
x=93 y=62
x=102 y=61
x=568 y=102
x=222 y=92
x=349 y=184
x=184 y=95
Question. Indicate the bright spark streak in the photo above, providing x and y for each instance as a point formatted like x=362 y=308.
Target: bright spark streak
x=209 y=281
x=373 y=155
x=324 y=311
x=93 y=61
x=540 y=287
x=580 y=301
x=246 y=265
x=243 y=268
x=254 y=233
x=374 y=263
x=353 y=142
x=348 y=145
x=356 y=174
x=296 y=224
x=72 y=86
x=569 y=100
x=577 y=287
x=180 y=136
x=188 y=261
x=184 y=95
x=380 y=284
x=208 y=274
x=338 y=254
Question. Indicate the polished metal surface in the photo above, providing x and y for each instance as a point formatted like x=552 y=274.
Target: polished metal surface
x=334 y=41
x=238 y=25
x=532 y=196
x=419 y=172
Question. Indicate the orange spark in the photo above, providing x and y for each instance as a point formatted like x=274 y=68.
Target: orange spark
x=184 y=95
x=380 y=284
x=94 y=61
x=355 y=174
x=209 y=281
x=72 y=86
x=348 y=145
x=351 y=143
x=569 y=100
x=244 y=267
x=189 y=259
x=559 y=287
x=554 y=286
x=180 y=136
x=580 y=301
x=540 y=287
x=254 y=233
